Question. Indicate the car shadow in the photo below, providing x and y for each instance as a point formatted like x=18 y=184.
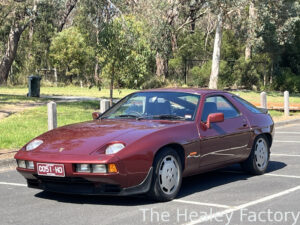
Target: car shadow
x=230 y=174
x=190 y=185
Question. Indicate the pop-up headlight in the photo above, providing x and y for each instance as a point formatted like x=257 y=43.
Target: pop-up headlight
x=114 y=148
x=33 y=145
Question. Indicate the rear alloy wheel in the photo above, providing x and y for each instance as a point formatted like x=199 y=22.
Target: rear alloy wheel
x=167 y=175
x=258 y=160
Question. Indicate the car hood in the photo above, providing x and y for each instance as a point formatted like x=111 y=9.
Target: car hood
x=87 y=137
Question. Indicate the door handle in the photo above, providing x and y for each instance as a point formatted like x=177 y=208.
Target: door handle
x=245 y=124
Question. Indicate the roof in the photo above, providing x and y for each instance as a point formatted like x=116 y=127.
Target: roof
x=184 y=90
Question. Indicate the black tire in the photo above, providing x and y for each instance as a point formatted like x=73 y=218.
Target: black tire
x=252 y=165
x=156 y=191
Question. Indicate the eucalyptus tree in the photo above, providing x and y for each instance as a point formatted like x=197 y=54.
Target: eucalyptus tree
x=164 y=20
x=252 y=16
x=124 y=53
x=91 y=19
x=17 y=16
x=275 y=25
x=223 y=9
x=70 y=53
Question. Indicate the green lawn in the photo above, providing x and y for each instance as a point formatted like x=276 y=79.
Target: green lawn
x=19 y=128
x=68 y=91
x=274 y=97
x=277 y=114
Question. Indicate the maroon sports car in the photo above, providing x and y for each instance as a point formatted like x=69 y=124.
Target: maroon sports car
x=149 y=141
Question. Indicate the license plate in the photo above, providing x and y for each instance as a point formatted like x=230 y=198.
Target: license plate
x=49 y=169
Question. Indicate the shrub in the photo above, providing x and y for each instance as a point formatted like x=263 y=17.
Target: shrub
x=199 y=76
x=287 y=80
x=154 y=82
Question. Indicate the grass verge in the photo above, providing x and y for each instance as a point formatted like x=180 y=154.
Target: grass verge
x=17 y=129
x=274 y=97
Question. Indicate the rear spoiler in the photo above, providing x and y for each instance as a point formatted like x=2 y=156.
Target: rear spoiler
x=263 y=110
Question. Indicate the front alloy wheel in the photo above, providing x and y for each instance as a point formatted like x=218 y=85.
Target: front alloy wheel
x=167 y=175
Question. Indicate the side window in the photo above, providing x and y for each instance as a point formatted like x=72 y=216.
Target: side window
x=218 y=104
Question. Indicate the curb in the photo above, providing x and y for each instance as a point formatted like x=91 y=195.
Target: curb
x=286 y=122
x=6 y=163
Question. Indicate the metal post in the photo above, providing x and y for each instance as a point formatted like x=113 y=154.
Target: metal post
x=263 y=100
x=286 y=103
x=104 y=105
x=52 y=115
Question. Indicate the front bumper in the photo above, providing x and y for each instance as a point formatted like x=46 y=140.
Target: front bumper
x=80 y=185
x=124 y=182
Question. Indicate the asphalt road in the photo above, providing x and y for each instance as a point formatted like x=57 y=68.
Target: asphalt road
x=226 y=196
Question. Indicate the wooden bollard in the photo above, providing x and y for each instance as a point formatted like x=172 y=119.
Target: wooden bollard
x=52 y=115
x=104 y=105
x=263 y=100
x=286 y=103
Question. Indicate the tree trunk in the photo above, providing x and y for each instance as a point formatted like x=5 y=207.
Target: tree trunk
x=70 y=5
x=174 y=42
x=252 y=17
x=10 y=54
x=31 y=31
x=159 y=65
x=96 y=70
x=248 y=51
x=213 y=82
x=111 y=88
x=193 y=23
x=55 y=77
x=96 y=76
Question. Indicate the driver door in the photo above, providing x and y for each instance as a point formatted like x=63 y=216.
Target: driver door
x=224 y=141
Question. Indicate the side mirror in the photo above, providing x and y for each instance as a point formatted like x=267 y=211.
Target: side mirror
x=214 y=118
x=95 y=115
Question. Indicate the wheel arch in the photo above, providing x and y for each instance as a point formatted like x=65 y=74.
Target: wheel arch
x=267 y=133
x=178 y=148
x=269 y=138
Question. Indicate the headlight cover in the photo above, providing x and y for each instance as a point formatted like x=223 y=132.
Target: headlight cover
x=83 y=168
x=33 y=145
x=114 y=148
x=21 y=163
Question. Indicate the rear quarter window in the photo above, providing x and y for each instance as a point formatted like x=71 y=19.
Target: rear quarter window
x=247 y=104
x=218 y=104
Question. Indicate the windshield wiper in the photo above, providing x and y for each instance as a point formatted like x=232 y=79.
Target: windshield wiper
x=128 y=116
x=163 y=116
x=169 y=116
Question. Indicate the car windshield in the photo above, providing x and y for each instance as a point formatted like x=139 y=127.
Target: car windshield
x=155 y=105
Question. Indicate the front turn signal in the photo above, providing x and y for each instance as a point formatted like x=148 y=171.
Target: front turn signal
x=112 y=168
